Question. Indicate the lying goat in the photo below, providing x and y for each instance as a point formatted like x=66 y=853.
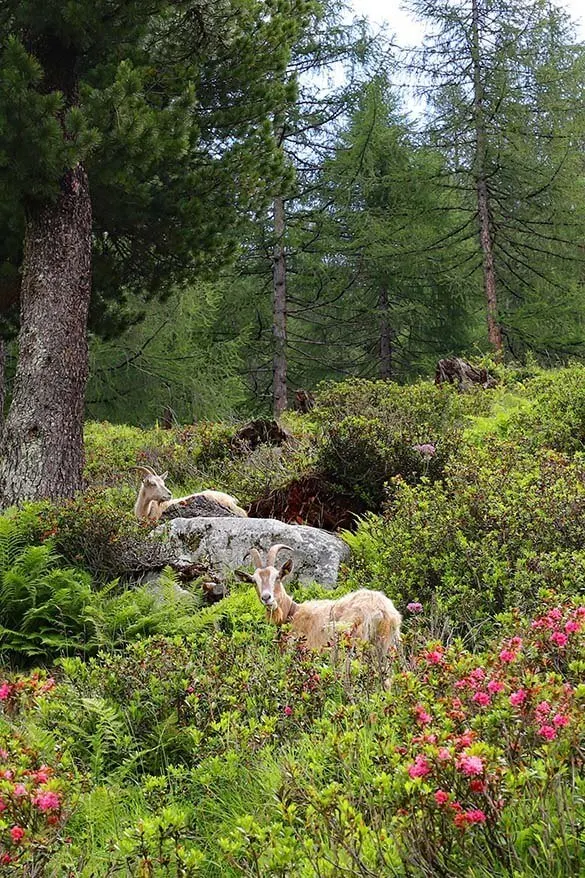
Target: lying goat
x=154 y=497
x=366 y=615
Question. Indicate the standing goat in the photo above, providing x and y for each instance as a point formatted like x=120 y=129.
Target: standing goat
x=154 y=497
x=366 y=615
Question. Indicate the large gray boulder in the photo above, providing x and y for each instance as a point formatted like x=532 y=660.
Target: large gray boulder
x=224 y=543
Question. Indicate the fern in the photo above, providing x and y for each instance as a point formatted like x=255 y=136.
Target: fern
x=44 y=609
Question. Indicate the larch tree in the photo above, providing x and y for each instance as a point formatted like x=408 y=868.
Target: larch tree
x=504 y=86
x=132 y=138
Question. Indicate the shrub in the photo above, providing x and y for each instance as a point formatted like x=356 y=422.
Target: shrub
x=371 y=430
x=458 y=769
x=555 y=417
x=504 y=523
x=35 y=794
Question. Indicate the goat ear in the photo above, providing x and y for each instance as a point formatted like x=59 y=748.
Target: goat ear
x=244 y=576
x=164 y=475
x=286 y=568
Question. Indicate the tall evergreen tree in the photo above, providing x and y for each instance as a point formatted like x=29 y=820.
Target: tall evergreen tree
x=134 y=134
x=505 y=88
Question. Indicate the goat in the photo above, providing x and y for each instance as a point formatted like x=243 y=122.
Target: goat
x=365 y=614
x=154 y=497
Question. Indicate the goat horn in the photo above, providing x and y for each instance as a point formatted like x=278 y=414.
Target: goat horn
x=145 y=469
x=256 y=558
x=273 y=553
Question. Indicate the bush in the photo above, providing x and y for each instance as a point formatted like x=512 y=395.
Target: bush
x=505 y=523
x=555 y=417
x=458 y=769
x=371 y=430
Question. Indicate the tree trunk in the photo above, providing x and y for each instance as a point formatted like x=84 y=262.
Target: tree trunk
x=2 y=380
x=482 y=191
x=385 y=336
x=279 y=390
x=42 y=443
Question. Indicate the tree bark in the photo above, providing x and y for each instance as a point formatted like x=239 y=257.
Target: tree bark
x=482 y=191
x=386 y=365
x=279 y=389
x=42 y=442
x=2 y=381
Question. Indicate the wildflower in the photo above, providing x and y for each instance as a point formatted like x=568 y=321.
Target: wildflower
x=47 y=801
x=17 y=834
x=3 y=753
x=465 y=739
x=420 y=767
x=560 y=720
x=475 y=815
x=444 y=754
x=456 y=704
x=19 y=791
x=516 y=642
x=460 y=820
x=5 y=859
x=42 y=775
x=542 y=709
x=547 y=732
x=507 y=655
x=3 y=805
x=441 y=797
x=414 y=607
x=422 y=716
x=495 y=686
x=518 y=698
x=5 y=691
x=572 y=626
x=558 y=638
x=470 y=765
x=482 y=698
x=288 y=710
x=477 y=786
x=434 y=656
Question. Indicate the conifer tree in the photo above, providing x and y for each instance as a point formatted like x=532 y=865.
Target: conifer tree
x=131 y=139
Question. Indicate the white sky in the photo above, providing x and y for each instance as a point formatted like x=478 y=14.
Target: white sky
x=409 y=32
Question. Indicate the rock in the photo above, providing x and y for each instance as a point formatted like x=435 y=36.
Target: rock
x=224 y=543
x=196 y=507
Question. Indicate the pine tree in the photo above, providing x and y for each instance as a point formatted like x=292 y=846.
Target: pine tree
x=131 y=140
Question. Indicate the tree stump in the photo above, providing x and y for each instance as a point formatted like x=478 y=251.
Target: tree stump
x=454 y=370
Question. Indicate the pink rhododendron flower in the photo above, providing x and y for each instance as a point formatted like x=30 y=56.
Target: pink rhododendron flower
x=288 y=710
x=543 y=709
x=441 y=797
x=47 y=801
x=547 y=732
x=470 y=765
x=444 y=755
x=465 y=739
x=518 y=698
x=414 y=607
x=434 y=656
x=422 y=716
x=42 y=775
x=19 y=791
x=3 y=805
x=420 y=767
x=17 y=834
x=475 y=815
x=507 y=655
x=482 y=698
x=572 y=626
x=560 y=720
x=3 y=753
x=5 y=691
x=558 y=638
x=477 y=786
x=462 y=684
x=457 y=704
x=5 y=859
x=495 y=686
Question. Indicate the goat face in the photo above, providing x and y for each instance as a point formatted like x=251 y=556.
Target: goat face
x=268 y=579
x=155 y=488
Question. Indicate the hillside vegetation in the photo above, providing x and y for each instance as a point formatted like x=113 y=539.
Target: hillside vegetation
x=141 y=737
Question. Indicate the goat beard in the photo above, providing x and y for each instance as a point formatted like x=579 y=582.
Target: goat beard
x=276 y=616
